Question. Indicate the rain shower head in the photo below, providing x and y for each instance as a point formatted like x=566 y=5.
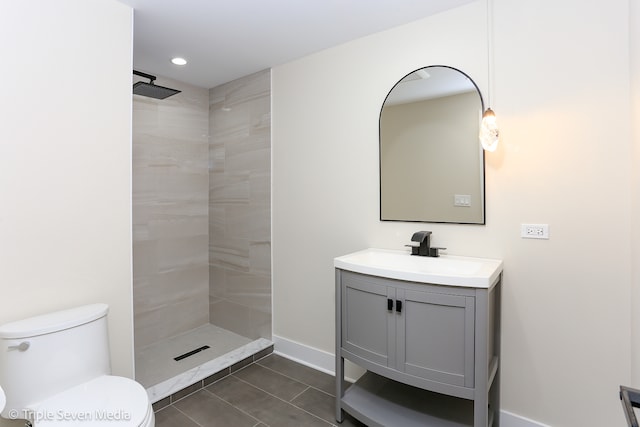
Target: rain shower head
x=150 y=89
x=153 y=91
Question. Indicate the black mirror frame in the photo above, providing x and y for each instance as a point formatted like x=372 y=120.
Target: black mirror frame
x=484 y=202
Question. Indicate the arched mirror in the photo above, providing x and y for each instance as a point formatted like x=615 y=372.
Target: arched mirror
x=431 y=162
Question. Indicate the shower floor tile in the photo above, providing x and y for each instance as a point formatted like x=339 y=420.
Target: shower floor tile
x=155 y=363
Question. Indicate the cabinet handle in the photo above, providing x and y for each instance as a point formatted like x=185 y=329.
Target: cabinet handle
x=389 y=304
x=399 y=306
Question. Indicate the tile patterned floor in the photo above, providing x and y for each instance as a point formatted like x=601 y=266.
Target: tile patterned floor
x=274 y=391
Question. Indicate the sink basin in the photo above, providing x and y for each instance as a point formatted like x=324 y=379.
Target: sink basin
x=443 y=270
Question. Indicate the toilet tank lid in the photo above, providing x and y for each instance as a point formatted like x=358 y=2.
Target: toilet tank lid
x=52 y=322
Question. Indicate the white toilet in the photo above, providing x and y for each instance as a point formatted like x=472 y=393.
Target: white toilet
x=55 y=370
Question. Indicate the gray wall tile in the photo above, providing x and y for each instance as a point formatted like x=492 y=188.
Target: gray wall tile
x=170 y=213
x=202 y=209
x=240 y=205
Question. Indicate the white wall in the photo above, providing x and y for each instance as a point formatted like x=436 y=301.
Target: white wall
x=635 y=105
x=561 y=90
x=65 y=162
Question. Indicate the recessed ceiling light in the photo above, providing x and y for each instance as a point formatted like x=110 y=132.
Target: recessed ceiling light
x=179 y=61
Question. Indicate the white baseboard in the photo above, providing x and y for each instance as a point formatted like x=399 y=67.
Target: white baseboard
x=325 y=362
x=508 y=419
x=302 y=353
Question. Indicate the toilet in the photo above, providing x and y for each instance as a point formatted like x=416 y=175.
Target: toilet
x=55 y=370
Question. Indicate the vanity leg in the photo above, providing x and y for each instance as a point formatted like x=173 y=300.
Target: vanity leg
x=481 y=412
x=339 y=388
x=339 y=359
x=481 y=398
x=494 y=401
x=494 y=392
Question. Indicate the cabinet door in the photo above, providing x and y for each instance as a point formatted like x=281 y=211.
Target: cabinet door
x=368 y=330
x=435 y=336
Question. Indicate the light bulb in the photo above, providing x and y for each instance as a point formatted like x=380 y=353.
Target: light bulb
x=489 y=132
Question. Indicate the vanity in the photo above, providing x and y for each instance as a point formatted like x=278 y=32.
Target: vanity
x=427 y=331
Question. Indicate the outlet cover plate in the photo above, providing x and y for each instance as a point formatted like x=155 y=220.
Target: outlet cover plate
x=534 y=231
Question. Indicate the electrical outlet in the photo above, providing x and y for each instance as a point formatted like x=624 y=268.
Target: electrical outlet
x=534 y=231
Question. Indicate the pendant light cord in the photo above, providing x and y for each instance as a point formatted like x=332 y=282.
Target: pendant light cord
x=489 y=53
x=489 y=132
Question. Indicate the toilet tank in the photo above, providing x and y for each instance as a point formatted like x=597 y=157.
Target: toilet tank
x=44 y=355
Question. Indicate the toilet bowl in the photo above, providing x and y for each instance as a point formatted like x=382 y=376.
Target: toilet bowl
x=3 y=399
x=55 y=371
x=104 y=401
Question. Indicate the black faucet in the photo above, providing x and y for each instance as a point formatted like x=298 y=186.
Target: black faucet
x=424 y=248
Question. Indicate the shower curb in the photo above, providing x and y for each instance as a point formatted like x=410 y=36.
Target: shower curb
x=190 y=389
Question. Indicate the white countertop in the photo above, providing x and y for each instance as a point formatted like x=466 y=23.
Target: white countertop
x=444 y=270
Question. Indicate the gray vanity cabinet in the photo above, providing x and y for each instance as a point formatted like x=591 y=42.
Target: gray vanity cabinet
x=434 y=336
x=419 y=331
x=425 y=347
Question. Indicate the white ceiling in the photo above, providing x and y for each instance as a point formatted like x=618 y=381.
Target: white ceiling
x=227 y=39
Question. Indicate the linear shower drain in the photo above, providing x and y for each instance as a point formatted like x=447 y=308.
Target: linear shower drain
x=190 y=353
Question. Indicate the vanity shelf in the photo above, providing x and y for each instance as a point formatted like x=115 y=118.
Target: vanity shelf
x=375 y=400
x=431 y=351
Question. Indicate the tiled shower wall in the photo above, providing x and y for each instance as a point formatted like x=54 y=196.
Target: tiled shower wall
x=239 y=205
x=170 y=213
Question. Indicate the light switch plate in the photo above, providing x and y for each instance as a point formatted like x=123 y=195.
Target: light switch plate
x=462 y=200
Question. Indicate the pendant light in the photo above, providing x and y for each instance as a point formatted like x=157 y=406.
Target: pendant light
x=489 y=131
